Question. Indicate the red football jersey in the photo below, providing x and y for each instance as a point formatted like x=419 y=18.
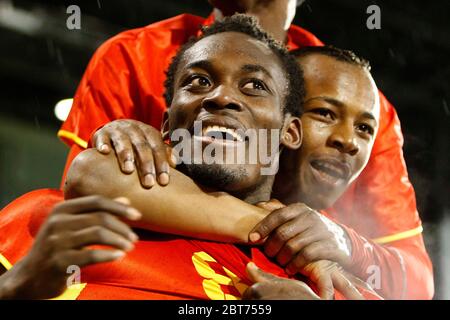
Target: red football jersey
x=124 y=80
x=159 y=267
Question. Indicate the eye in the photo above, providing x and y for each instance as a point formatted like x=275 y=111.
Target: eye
x=325 y=113
x=198 y=81
x=365 y=128
x=255 y=84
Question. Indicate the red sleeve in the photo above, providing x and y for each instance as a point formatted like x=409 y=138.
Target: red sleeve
x=20 y=221
x=299 y=37
x=400 y=270
x=125 y=79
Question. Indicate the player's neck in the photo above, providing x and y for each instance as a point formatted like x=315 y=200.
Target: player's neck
x=286 y=184
x=260 y=193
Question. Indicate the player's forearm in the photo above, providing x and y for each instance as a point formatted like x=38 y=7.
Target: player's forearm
x=401 y=270
x=181 y=207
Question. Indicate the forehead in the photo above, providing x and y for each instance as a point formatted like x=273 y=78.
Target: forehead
x=347 y=83
x=234 y=49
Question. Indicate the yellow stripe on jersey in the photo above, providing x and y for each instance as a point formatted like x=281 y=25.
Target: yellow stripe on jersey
x=399 y=236
x=71 y=292
x=4 y=262
x=73 y=137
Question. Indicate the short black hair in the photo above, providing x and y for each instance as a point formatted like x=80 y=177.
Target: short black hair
x=248 y=25
x=337 y=53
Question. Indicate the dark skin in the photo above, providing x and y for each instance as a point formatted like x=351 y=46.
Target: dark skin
x=133 y=145
x=204 y=87
x=342 y=132
x=296 y=235
x=63 y=240
x=211 y=90
x=340 y=122
x=206 y=92
x=77 y=224
x=270 y=287
x=137 y=145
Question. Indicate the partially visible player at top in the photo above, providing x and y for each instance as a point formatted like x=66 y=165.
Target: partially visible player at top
x=124 y=80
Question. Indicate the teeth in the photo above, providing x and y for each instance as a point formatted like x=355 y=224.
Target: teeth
x=230 y=131
x=330 y=169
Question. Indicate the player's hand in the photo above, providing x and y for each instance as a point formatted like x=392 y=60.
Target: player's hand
x=270 y=287
x=328 y=276
x=297 y=235
x=135 y=142
x=64 y=240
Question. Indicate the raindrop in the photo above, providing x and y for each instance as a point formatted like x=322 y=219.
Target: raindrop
x=59 y=57
x=36 y=122
x=51 y=47
x=445 y=105
x=391 y=53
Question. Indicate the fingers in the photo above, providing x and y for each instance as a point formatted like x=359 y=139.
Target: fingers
x=257 y=291
x=313 y=252
x=344 y=285
x=290 y=234
x=257 y=275
x=325 y=287
x=171 y=156
x=275 y=219
x=293 y=246
x=288 y=289
x=161 y=153
x=124 y=151
x=83 y=258
x=70 y=222
x=137 y=142
x=95 y=204
x=112 y=223
x=145 y=163
x=271 y=205
x=97 y=235
x=102 y=142
x=161 y=164
x=251 y=293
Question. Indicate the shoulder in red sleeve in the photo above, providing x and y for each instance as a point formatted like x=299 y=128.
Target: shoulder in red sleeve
x=125 y=77
x=20 y=221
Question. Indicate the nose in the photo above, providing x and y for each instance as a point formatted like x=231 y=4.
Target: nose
x=343 y=139
x=222 y=97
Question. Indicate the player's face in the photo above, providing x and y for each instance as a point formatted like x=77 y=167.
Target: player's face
x=340 y=121
x=231 y=83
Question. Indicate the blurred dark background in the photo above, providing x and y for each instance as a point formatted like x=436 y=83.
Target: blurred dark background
x=42 y=61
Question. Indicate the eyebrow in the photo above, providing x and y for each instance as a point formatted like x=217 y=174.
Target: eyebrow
x=368 y=115
x=202 y=64
x=207 y=65
x=339 y=104
x=255 y=68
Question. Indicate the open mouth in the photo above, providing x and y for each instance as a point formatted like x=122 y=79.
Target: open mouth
x=222 y=133
x=330 y=171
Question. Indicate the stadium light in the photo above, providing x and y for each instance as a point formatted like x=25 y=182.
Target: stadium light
x=62 y=109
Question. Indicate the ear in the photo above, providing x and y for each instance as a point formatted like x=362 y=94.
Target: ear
x=165 y=126
x=292 y=133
